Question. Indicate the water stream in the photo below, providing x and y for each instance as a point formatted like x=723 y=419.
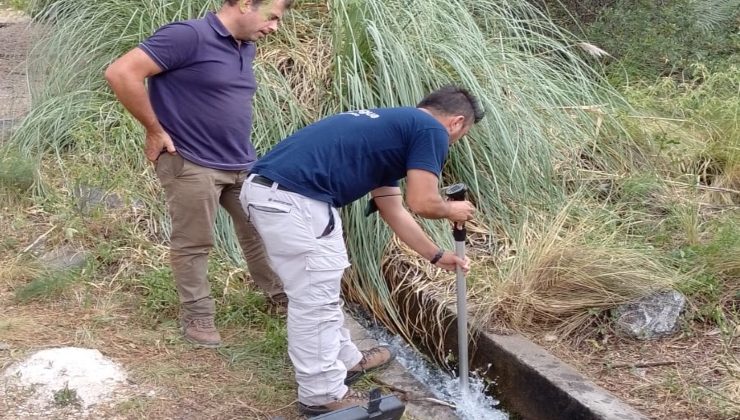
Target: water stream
x=445 y=387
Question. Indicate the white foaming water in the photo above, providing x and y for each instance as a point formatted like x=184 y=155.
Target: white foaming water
x=476 y=405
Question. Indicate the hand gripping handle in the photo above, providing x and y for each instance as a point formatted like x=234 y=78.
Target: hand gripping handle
x=457 y=192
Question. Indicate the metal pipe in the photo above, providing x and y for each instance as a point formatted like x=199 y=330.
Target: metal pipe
x=457 y=193
x=462 y=320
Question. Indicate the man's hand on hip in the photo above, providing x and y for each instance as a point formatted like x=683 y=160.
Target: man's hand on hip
x=156 y=143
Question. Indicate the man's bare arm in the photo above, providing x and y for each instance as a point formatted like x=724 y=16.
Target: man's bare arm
x=390 y=206
x=422 y=197
x=126 y=77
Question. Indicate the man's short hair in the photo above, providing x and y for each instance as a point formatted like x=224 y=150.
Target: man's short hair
x=287 y=3
x=454 y=100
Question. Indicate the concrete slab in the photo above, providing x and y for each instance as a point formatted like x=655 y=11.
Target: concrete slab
x=397 y=378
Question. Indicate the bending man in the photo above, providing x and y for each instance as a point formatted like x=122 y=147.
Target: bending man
x=292 y=197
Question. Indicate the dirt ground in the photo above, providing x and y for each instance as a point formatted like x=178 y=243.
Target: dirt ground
x=167 y=379
x=15 y=42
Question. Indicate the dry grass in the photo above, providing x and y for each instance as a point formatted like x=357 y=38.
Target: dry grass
x=167 y=378
x=682 y=377
x=729 y=389
x=567 y=285
x=302 y=61
x=103 y=310
x=726 y=188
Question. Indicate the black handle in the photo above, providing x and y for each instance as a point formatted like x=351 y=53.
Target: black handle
x=456 y=192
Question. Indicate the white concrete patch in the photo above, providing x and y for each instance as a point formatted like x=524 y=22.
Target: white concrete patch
x=94 y=378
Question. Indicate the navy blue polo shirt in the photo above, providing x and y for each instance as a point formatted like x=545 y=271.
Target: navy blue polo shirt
x=203 y=96
x=343 y=157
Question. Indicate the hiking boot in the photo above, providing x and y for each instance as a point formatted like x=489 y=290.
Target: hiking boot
x=201 y=332
x=350 y=399
x=371 y=359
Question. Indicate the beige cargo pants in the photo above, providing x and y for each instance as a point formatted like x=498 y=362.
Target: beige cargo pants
x=310 y=262
x=193 y=194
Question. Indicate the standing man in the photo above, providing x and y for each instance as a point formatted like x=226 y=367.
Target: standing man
x=292 y=197
x=197 y=113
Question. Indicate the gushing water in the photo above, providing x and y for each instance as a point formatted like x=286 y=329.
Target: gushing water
x=476 y=405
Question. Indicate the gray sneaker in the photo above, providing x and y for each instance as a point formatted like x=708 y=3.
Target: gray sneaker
x=201 y=332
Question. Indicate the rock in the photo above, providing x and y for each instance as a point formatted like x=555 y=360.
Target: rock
x=64 y=258
x=652 y=316
x=89 y=198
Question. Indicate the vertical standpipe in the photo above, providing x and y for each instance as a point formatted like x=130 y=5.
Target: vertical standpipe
x=457 y=192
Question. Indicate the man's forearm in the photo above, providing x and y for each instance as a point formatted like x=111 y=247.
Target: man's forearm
x=409 y=231
x=133 y=95
x=431 y=208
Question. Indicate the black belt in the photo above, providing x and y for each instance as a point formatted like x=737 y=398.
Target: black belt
x=267 y=182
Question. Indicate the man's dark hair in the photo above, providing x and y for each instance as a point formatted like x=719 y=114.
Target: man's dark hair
x=454 y=100
x=288 y=3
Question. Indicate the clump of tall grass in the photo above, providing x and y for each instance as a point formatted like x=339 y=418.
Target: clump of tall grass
x=563 y=285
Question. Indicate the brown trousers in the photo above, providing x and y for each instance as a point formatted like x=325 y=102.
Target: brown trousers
x=193 y=194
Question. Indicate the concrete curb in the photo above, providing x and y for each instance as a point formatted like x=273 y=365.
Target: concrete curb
x=540 y=386
x=396 y=376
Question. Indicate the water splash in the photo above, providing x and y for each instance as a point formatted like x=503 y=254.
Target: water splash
x=475 y=405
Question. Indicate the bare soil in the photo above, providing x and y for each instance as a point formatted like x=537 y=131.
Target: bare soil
x=16 y=36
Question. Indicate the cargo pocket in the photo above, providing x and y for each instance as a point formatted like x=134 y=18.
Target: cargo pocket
x=327 y=262
x=325 y=277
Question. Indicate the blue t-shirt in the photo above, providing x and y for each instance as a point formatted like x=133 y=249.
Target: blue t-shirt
x=343 y=157
x=203 y=96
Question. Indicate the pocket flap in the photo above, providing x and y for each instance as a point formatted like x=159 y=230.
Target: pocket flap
x=327 y=262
